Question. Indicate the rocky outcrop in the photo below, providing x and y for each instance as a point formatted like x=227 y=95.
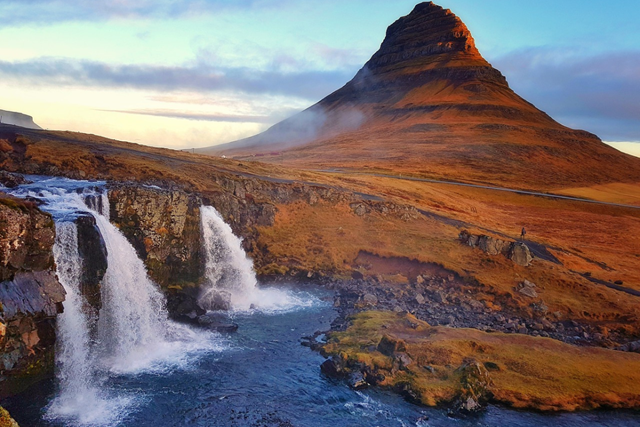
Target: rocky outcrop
x=164 y=228
x=30 y=295
x=517 y=252
x=93 y=252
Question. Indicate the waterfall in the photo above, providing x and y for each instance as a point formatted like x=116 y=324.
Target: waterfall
x=228 y=272
x=133 y=331
x=74 y=361
x=230 y=279
x=132 y=323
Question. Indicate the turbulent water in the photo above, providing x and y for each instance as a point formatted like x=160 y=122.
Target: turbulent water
x=140 y=369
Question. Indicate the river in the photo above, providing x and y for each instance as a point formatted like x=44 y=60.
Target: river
x=263 y=376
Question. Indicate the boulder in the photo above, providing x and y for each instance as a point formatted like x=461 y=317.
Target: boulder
x=528 y=289
x=389 y=346
x=370 y=299
x=520 y=254
x=357 y=381
x=492 y=246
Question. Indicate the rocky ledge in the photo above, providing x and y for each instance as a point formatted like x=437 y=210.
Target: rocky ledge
x=30 y=295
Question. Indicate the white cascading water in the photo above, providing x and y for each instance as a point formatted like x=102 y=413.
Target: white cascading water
x=132 y=324
x=229 y=272
x=133 y=330
x=79 y=396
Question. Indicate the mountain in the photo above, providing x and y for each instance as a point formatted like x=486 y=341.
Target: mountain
x=428 y=104
x=17 y=119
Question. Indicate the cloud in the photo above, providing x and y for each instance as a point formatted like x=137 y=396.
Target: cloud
x=311 y=84
x=598 y=93
x=21 y=12
x=211 y=117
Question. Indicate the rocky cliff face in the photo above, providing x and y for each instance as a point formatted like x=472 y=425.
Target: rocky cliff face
x=30 y=295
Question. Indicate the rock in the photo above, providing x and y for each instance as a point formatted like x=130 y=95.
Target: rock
x=357 y=381
x=420 y=281
x=520 y=254
x=370 y=299
x=492 y=246
x=359 y=209
x=389 y=346
x=217 y=322
x=440 y=297
x=30 y=296
x=93 y=251
x=420 y=299
x=527 y=288
x=12 y=180
x=476 y=386
x=633 y=347
x=402 y=360
x=333 y=368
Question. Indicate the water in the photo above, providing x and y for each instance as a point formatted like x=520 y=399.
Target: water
x=230 y=279
x=266 y=378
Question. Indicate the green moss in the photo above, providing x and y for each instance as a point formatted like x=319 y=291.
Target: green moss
x=6 y=420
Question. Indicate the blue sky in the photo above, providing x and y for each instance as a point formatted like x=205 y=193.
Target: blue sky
x=190 y=73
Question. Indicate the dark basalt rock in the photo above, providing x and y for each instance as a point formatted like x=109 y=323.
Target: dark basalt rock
x=93 y=251
x=218 y=323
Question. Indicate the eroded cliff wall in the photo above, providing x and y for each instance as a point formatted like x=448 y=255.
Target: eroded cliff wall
x=30 y=295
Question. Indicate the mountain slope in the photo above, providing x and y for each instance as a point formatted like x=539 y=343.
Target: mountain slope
x=428 y=104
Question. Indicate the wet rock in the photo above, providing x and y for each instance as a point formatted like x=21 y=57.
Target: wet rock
x=30 y=295
x=93 y=251
x=333 y=367
x=12 y=180
x=217 y=323
x=356 y=381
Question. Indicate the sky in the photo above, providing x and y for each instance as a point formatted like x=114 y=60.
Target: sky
x=195 y=73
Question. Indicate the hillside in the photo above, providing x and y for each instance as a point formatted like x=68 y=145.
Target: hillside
x=428 y=104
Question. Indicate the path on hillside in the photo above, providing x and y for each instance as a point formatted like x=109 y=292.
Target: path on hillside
x=484 y=187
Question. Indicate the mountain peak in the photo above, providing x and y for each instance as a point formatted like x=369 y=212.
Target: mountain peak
x=427 y=33
x=427 y=103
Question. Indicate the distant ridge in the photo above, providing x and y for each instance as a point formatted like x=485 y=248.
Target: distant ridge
x=427 y=103
x=17 y=119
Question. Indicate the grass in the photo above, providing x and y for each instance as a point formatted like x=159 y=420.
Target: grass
x=526 y=372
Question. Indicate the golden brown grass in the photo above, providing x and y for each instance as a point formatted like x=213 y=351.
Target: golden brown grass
x=532 y=373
